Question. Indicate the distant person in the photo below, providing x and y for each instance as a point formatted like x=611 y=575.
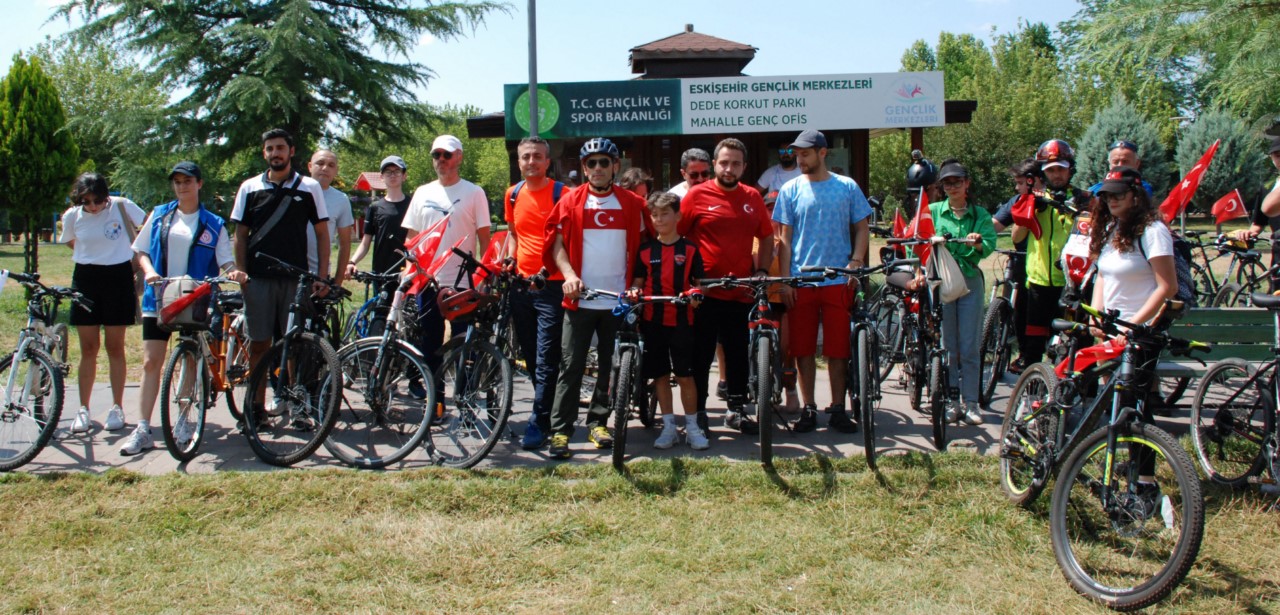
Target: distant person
x=324 y=169
x=775 y=176
x=695 y=168
x=1123 y=153
x=1260 y=219
x=638 y=181
x=384 y=233
x=1026 y=178
x=573 y=180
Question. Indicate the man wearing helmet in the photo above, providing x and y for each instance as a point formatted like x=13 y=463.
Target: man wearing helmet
x=592 y=237
x=1054 y=215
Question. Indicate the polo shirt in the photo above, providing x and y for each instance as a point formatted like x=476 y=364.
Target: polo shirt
x=287 y=240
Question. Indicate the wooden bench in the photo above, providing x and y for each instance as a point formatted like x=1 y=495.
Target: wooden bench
x=1244 y=333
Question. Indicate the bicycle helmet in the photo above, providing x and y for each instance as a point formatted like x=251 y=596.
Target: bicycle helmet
x=598 y=145
x=461 y=305
x=921 y=173
x=1056 y=152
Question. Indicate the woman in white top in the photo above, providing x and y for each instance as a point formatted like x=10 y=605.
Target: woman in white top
x=1133 y=249
x=99 y=228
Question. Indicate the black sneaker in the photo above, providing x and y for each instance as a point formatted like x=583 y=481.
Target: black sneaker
x=559 y=447
x=722 y=390
x=840 y=420
x=737 y=420
x=808 y=420
x=1150 y=496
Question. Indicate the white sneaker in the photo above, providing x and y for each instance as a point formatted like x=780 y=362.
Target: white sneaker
x=183 y=431
x=139 y=440
x=696 y=437
x=115 y=419
x=82 y=423
x=972 y=415
x=669 y=435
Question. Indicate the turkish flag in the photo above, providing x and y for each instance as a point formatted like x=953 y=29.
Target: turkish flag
x=1182 y=193
x=1229 y=207
x=492 y=257
x=922 y=227
x=422 y=247
x=1024 y=214
x=899 y=231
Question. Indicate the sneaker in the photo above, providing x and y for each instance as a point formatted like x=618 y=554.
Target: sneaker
x=139 y=440
x=559 y=447
x=972 y=415
x=722 y=390
x=600 y=436
x=808 y=420
x=737 y=420
x=183 y=431
x=952 y=415
x=437 y=417
x=82 y=424
x=696 y=437
x=115 y=419
x=416 y=390
x=1150 y=496
x=274 y=407
x=840 y=420
x=669 y=435
x=1017 y=366
x=533 y=437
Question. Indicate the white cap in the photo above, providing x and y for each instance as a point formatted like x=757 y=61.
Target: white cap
x=448 y=143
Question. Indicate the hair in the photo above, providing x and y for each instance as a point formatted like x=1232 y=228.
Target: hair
x=534 y=140
x=1122 y=232
x=87 y=184
x=277 y=133
x=731 y=143
x=694 y=154
x=658 y=200
x=1027 y=168
x=634 y=177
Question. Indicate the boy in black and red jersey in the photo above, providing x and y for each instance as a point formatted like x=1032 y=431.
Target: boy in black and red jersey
x=668 y=266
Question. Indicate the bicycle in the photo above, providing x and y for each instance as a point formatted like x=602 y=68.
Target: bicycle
x=1245 y=268
x=307 y=387
x=863 y=382
x=1202 y=275
x=998 y=331
x=364 y=322
x=32 y=376
x=1233 y=417
x=201 y=367
x=1126 y=521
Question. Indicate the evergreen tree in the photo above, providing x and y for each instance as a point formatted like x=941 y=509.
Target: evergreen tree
x=38 y=158
x=1239 y=162
x=1122 y=120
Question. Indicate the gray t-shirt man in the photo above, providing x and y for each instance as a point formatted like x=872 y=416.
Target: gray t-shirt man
x=339 y=206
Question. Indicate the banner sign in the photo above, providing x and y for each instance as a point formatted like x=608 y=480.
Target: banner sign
x=728 y=104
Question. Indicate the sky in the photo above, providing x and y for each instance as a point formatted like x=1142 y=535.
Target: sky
x=590 y=40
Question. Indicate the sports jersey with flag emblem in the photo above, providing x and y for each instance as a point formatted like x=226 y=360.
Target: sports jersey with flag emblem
x=668 y=270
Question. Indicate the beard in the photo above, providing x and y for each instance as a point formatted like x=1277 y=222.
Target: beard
x=787 y=164
x=278 y=165
x=726 y=181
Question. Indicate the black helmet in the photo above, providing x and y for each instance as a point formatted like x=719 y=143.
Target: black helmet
x=598 y=145
x=1056 y=150
x=921 y=173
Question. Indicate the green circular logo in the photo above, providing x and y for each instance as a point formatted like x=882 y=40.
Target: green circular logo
x=548 y=111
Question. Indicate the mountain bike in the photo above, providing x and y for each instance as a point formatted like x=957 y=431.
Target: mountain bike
x=1126 y=515
x=998 y=331
x=378 y=291
x=32 y=374
x=1245 y=273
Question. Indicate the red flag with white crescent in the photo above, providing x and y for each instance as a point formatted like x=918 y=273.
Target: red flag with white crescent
x=1182 y=193
x=921 y=227
x=1229 y=207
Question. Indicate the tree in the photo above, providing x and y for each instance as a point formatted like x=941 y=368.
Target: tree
x=1121 y=120
x=1239 y=162
x=244 y=66
x=38 y=158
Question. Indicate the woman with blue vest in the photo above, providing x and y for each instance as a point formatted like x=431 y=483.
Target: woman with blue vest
x=180 y=238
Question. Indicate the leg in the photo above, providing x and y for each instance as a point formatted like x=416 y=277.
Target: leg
x=969 y=312
x=804 y=340
x=605 y=325
x=550 y=323
x=575 y=343
x=662 y=387
x=837 y=300
x=733 y=336
x=704 y=348
x=114 y=338
x=153 y=355
x=90 y=343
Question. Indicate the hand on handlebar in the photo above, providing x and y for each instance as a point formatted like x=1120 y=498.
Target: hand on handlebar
x=632 y=295
x=351 y=270
x=572 y=287
x=694 y=295
x=319 y=289
x=788 y=296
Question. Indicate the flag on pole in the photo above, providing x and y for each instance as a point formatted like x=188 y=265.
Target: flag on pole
x=899 y=231
x=922 y=227
x=422 y=247
x=1229 y=207
x=1182 y=193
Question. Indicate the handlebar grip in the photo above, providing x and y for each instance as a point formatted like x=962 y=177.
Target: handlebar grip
x=538 y=281
x=896 y=241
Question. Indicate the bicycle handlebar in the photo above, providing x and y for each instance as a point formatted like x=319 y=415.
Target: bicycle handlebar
x=32 y=281
x=1110 y=320
x=860 y=272
x=753 y=283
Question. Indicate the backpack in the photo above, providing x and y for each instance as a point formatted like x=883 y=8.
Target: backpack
x=556 y=189
x=1182 y=266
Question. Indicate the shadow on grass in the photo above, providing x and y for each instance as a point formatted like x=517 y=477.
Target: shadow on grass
x=823 y=465
x=900 y=466
x=1247 y=593
x=666 y=484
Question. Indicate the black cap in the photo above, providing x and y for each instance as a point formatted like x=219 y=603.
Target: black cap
x=1121 y=179
x=952 y=169
x=810 y=138
x=186 y=167
x=1275 y=146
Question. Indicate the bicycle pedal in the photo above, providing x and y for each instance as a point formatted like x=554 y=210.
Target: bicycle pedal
x=1263 y=480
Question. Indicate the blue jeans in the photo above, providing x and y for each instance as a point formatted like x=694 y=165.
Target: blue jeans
x=962 y=331
x=538 y=318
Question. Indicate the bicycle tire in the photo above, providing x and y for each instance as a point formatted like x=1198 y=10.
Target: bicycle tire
x=60 y=335
x=311 y=391
x=1230 y=423
x=187 y=403
x=649 y=408
x=33 y=413
x=373 y=430
x=235 y=363
x=477 y=402
x=1204 y=286
x=1227 y=294
x=867 y=371
x=1172 y=389
x=1122 y=537
x=1030 y=425
x=764 y=397
x=997 y=326
x=889 y=316
x=620 y=405
x=938 y=402
x=916 y=366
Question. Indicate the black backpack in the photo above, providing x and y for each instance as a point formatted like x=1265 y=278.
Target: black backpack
x=1182 y=266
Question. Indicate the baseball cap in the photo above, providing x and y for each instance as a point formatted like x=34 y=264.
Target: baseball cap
x=1121 y=179
x=448 y=143
x=186 y=167
x=952 y=169
x=810 y=138
x=396 y=160
x=1275 y=146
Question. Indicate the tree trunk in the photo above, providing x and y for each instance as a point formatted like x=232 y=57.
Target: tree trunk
x=31 y=254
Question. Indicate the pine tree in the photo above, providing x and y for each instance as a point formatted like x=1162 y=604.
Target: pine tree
x=1121 y=120
x=1239 y=163
x=38 y=157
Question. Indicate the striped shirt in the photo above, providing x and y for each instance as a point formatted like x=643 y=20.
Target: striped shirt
x=668 y=270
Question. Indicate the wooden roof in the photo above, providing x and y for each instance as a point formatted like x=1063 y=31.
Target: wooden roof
x=690 y=45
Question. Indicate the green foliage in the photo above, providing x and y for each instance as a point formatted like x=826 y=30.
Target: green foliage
x=1122 y=120
x=1239 y=163
x=38 y=157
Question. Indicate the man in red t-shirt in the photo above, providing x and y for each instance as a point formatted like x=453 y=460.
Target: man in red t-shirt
x=723 y=218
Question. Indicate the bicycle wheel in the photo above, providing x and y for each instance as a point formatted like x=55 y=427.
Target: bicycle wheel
x=997 y=332
x=888 y=315
x=764 y=397
x=236 y=363
x=1231 y=419
x=938 y=402
x=35 y=405
x=1127 y=545
x=306 y=397
x=477 y=402
x=866 y=372
x=1030 y=427
x=378 y=427
x=1227 y=295
x=623 y=388
x=649 y=405
x=184 y=400
x=915 y=367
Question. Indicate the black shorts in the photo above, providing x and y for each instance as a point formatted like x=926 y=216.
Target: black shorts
x=110 y=288
x=667 y=350
x=151 y=331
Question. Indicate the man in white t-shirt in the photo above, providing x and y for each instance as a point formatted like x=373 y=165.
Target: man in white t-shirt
x=468 y=210
x=774 y=177
x=695 y=168
x=324 y=169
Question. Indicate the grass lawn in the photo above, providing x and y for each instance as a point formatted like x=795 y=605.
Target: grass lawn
x=930 y=534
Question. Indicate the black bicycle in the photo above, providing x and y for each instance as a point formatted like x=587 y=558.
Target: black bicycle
x=998 y=331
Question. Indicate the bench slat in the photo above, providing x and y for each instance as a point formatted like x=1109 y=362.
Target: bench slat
x=1220 y=333
x=1226 y=316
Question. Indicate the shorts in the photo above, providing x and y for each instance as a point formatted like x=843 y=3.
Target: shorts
x=151 y=331
x=266 y=307
x=829 y=305
x=110 y=288
x=667 y=350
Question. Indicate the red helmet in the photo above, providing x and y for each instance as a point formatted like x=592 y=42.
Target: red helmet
x=1056 y=151
x=461 y=305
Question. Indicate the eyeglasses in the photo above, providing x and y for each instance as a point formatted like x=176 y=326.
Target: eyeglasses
x=699 y=174
x=395 y=171
x=952 y=183
x=1129 y=145
x=92 y=203
x=786 y=152
x=603 y=163
x=442 y=154
x=1112 y=196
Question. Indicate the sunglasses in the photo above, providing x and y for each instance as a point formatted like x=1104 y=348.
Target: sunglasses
x=786 y=152
x=1112 y=196
x=442 y=154
x=952 y=183
x=1129 y=145
x=699 y=174
x=603 y=163
x=91 y=203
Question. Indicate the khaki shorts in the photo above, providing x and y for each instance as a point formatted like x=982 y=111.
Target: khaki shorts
x=266 y=307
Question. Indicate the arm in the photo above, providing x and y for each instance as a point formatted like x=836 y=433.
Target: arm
x=361 y=250
x=322 y=239
x=1166 y=288
x=344 y=253
x=784 y=260
x=1271 y=204
x=148 y=268
x=861 y=233
x=1019 y=233
x=765 y=255
x=572 y=284
x=240 y=247
x=996 y=225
